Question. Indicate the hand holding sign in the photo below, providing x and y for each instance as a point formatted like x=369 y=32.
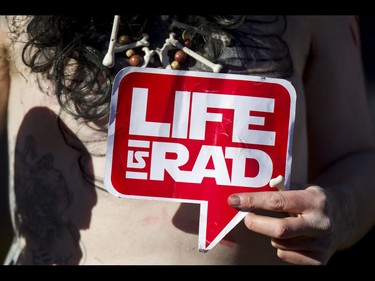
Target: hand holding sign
x=198 y=137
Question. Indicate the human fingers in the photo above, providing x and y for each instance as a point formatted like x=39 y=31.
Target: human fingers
x=303 y=257
x=303 y=243
x=305 y=237
x=299 y=240
x=289 y=201
x=309 y=225
x=308 y=209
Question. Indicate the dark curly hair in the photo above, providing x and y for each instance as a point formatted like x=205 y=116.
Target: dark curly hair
x=69 y=50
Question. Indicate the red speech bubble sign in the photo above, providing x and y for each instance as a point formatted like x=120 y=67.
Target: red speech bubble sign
x=198 y=137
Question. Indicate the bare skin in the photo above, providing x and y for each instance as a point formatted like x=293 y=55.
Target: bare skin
x=333 y=148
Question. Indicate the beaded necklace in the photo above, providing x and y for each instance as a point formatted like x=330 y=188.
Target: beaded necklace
x=125 y=44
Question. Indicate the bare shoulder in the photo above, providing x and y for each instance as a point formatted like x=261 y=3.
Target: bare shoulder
x=3 y=35
x=323 y=25
x=333 y=33
x=4 y=74
x=333 y=27
x=335 y=87
x=325 y=47
x=4 y=32
x=12 y=29
x=322 y=34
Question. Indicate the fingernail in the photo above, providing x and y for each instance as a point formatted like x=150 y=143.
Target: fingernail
x=234 y=200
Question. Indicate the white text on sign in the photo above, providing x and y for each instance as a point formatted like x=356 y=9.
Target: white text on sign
x=199 y=103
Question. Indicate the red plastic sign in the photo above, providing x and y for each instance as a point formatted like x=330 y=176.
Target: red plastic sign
x=198 y=137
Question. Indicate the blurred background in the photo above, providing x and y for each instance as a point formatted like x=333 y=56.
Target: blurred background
x=354 y=255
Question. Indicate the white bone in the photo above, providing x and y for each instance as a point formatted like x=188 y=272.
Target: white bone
x=215 y=67
x=143 y=42
x=170 y=42
x=148 y=56
x=278 y=182
x=163 y=54
x=109 y=58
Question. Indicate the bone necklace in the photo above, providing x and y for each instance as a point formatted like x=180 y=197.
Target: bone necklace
x=117 y=46
x=123 y=45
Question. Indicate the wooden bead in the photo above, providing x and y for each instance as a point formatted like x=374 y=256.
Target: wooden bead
x=186 y=35
x=124 y=39
x=187 y=43
x=180 y=56
x=175 y=65
x=135 y=60
x=129 y=53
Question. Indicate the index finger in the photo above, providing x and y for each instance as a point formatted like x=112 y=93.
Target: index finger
x=290 y=201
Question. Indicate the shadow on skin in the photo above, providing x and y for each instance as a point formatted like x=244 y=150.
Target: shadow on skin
x=54 y=196
x=6 y=232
